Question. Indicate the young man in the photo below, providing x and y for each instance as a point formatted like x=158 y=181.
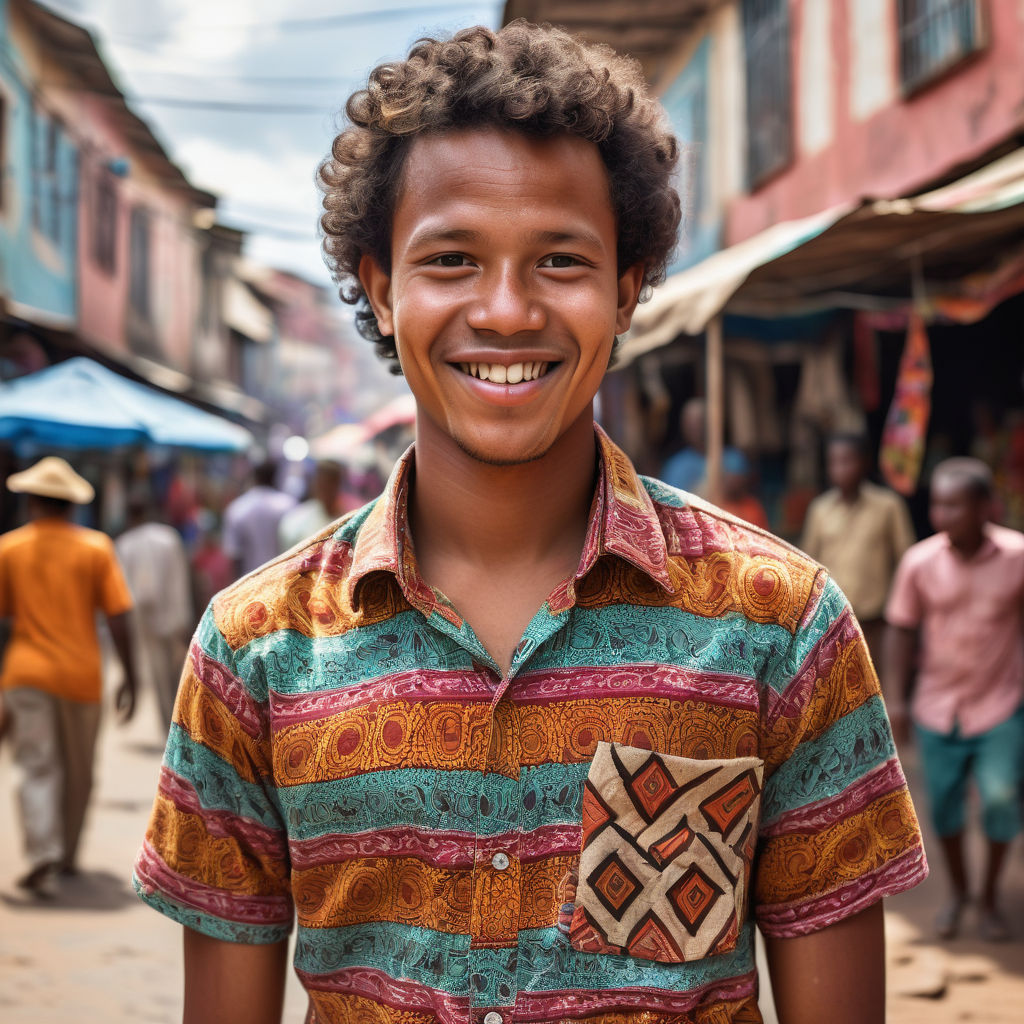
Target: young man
x=54 y=579
x=858 y=531
x=507 y=740
x=962 y=590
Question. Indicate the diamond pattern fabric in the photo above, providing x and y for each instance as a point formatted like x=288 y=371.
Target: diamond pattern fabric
x=668 y=844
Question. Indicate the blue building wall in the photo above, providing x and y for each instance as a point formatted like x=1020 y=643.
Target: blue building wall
x=686 y=102
x=39 y=211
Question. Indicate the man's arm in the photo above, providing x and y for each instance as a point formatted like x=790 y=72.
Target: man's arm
x=121 y=633
x=900 y=644
x=836 y=974
x=232 y=982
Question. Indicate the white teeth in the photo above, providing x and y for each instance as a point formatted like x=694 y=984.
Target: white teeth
x=498 y=373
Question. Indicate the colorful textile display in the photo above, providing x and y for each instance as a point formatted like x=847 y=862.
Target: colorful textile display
x=906 y=426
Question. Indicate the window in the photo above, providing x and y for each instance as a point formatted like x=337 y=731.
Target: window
x=104 y=222
x=935 y=35
x=769 y=97
x=46 y=203
x=138 y=255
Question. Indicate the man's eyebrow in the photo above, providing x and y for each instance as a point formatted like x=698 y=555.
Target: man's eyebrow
x=442 y=235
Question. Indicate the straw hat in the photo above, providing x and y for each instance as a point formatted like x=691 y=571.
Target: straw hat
x=52 y=478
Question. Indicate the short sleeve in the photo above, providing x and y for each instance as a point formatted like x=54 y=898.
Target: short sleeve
x=904 y=606
x=215 y=855
x=838 y=829
x=114 y=597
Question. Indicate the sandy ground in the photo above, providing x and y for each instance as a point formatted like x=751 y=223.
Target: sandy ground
x=98 y=956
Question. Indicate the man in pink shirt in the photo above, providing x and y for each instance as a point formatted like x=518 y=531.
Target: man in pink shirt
x=961 y=592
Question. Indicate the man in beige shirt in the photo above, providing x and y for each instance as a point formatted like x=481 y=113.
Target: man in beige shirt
x=859 y=532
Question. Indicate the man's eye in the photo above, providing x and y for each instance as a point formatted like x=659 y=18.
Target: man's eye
x=560 y=261
x=451 y=259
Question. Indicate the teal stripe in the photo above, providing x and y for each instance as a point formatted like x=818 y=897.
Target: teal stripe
x=547 y=961
x=288 y=662
x=423 y=955
x=348 y=530
x=830 y=606
x=212 y=640
x=427 y=798
x=822 y=768
x=663 y=494
x=543 y=962
x=625 y=634
x=216 y=927
x=216 y=782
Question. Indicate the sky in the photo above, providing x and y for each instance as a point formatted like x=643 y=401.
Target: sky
x=290 y=63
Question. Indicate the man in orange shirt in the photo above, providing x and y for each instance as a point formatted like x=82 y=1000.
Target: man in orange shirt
x=54 y=577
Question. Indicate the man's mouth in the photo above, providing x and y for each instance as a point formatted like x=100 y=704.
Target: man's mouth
x=499 y=373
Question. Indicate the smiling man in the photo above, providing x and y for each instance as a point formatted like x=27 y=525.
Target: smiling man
x=530 y=738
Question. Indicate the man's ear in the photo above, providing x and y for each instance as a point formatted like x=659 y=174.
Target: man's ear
x=630 y=283
x=377 y=286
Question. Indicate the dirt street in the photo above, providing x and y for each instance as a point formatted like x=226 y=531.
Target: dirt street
x=98 y=956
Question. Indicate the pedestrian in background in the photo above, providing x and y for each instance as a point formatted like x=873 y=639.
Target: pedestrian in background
x=319 y=509
x=252 y=520
x=155 y=564
x=858 y=531
x=54 y=578
x=960 y=592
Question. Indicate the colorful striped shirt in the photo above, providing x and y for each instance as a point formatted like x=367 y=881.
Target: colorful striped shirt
x=690 y=739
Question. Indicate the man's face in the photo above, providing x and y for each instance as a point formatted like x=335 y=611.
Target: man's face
x=845 y=465
x=504 y=296
x=956 y=510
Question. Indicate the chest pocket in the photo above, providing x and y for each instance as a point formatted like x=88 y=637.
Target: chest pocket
x=668 y=844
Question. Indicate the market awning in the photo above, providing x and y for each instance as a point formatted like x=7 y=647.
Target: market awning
x=846 y=256
x=79 y=404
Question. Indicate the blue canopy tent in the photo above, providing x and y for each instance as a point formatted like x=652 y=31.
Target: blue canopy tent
x=80 y=404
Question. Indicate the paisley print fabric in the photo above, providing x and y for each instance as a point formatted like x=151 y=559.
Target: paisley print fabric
x=346 y=758
x=668 y=844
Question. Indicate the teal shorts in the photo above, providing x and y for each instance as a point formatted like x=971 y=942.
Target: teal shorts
x=995 y=760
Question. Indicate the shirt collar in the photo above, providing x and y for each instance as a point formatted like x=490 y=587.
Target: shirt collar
x=989 y=546
x=622 y=522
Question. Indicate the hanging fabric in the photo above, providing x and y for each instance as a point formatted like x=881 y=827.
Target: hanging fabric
x=906 y=426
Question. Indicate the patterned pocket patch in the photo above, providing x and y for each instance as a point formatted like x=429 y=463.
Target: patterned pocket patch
x=668 y=844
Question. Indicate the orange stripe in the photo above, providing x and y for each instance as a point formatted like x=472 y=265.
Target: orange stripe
x=801 y=865
x=207 y=721
x=490 y=905
x=453 y=736
x=764 y=588
x=220 y=862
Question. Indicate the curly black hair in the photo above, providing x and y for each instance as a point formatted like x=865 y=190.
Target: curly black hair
x=534 y=79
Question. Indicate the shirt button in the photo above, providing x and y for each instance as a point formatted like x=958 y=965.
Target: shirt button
x=492 y=1017
x=499 y=862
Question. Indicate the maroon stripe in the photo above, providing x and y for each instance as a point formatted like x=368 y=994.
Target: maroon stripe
x=788 y=920
x=244 y=908
x=884 y=778
x=228 y=689
x=642 y=680
x=223 y=824
x=442 y=849
x=397 y=993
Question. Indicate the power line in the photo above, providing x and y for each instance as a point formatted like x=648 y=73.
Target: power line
x=240 y=106
x=311 y=23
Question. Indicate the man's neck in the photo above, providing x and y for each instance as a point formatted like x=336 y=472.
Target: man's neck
x=494 y=516
x=850 y=494
x=968 y=547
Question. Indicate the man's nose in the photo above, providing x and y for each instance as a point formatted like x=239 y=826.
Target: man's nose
x=506 y=304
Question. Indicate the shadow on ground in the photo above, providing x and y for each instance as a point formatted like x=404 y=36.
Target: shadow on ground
x=89 y=891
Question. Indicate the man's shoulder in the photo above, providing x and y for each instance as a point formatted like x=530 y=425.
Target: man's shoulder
x=883 y=497
x=774 y=579
x=1008 y=540
x=275 y=592
x=922 y=551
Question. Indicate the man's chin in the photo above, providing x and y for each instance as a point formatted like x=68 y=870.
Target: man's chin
x=498 y=455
